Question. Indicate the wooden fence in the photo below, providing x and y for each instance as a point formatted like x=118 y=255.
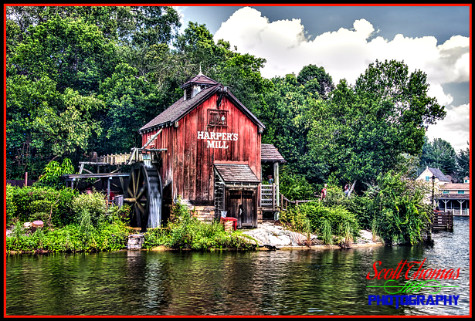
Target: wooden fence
x=20 y=182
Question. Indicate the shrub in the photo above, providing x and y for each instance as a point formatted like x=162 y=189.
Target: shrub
x=323 y=219
x=33 y=202
x=71 y=238
x=89 y=209
x=397 y=208
x=185 y=231
x=10 y=204
x=295 y=186
x=42 y=210
x=116 y=213
x=326 y=231
x=52 y=173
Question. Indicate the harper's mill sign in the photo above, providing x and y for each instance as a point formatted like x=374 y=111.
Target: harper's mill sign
x=217 y=140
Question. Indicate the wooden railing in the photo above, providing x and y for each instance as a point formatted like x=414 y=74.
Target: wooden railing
x=269 y=199
x=286 y=202
x=443 y=221
x=117 y=159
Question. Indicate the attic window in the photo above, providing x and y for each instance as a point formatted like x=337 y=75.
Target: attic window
x=217 y=117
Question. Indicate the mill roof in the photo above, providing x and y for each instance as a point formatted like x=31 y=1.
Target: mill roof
x=183 y=106
x=199 y=79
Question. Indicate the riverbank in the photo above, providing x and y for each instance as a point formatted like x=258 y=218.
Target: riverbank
x=268 y=236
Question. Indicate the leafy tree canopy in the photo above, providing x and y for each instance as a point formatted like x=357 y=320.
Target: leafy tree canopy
x=361 y=131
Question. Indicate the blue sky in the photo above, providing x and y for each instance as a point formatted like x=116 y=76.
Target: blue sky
x=345 y=39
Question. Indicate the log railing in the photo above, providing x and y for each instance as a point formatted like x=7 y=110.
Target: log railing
x=270 y=201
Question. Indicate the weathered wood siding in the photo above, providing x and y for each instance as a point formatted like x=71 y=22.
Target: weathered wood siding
x=188 y=162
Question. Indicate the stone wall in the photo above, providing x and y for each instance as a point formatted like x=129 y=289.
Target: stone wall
x=204 y=213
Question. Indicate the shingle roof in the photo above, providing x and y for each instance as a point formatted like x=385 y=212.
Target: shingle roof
x=437 y=173
x=180 y=108
x=455 y=186
x=199 y=79
x=453 y=196
x=236 y=173
x=269 y=153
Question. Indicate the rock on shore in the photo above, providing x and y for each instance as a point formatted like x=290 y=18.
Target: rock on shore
x=275 y=236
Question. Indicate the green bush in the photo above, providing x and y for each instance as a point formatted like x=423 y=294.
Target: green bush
x=336 y=220
x=71 y=238
x=89 y=209
x=42 y=210
x=295 y=186
x=11 y=208
x=185 y=231
x=116 y=213
x=52 y=173
x=395 y=207
x=31 y=202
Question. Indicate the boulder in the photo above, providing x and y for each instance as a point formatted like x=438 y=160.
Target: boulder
x=135 y=242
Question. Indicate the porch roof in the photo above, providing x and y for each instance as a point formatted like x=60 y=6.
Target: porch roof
x=236 y=173
x=453 y=197
x=269 y=153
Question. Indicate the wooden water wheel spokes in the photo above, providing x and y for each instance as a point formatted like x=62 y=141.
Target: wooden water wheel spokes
x=143 y=194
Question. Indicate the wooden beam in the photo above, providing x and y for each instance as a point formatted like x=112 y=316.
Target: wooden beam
x=276 y=178
x=151 y=139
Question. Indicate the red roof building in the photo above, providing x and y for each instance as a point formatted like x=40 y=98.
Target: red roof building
x=209 y=153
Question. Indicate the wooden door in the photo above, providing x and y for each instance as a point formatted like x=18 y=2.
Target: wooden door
x=233 y=204
x=241 y=204
x=248 y=209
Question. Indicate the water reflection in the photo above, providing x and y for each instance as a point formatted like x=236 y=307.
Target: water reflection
x=327 y=282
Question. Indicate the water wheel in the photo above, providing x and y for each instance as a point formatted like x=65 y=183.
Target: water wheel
x=144 y=194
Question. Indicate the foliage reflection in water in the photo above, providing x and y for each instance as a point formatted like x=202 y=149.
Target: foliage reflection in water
x=327 y=282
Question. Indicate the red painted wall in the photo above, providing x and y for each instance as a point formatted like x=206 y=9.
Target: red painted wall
x=188 y=162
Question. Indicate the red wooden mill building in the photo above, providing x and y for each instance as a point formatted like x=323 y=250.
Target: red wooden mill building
x=207 y=150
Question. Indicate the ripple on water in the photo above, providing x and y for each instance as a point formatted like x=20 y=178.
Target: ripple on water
x=324 y=282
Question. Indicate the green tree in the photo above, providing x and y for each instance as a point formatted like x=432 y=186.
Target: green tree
x=463 y=163
x=438 y=154
x=72 y=53
x=132 y=102
x=43 y=123
x=316 y=80
x=363 y=131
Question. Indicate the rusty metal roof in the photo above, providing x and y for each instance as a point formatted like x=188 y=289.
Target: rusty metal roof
x=236 y=173
x=269 y=153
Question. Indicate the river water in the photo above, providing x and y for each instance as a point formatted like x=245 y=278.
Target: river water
x=297 y=282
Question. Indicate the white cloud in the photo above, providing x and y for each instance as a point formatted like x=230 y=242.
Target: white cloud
x=346 y=53
x=454 y=128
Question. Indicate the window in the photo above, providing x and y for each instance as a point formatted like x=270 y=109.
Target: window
x=217 y=117
x=461 y=192
x=445 y=192
x=427 y=178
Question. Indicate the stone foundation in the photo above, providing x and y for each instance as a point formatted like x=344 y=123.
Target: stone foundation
x=204 y=213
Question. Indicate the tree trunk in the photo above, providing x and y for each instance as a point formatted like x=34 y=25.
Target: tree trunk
x=351 y=188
